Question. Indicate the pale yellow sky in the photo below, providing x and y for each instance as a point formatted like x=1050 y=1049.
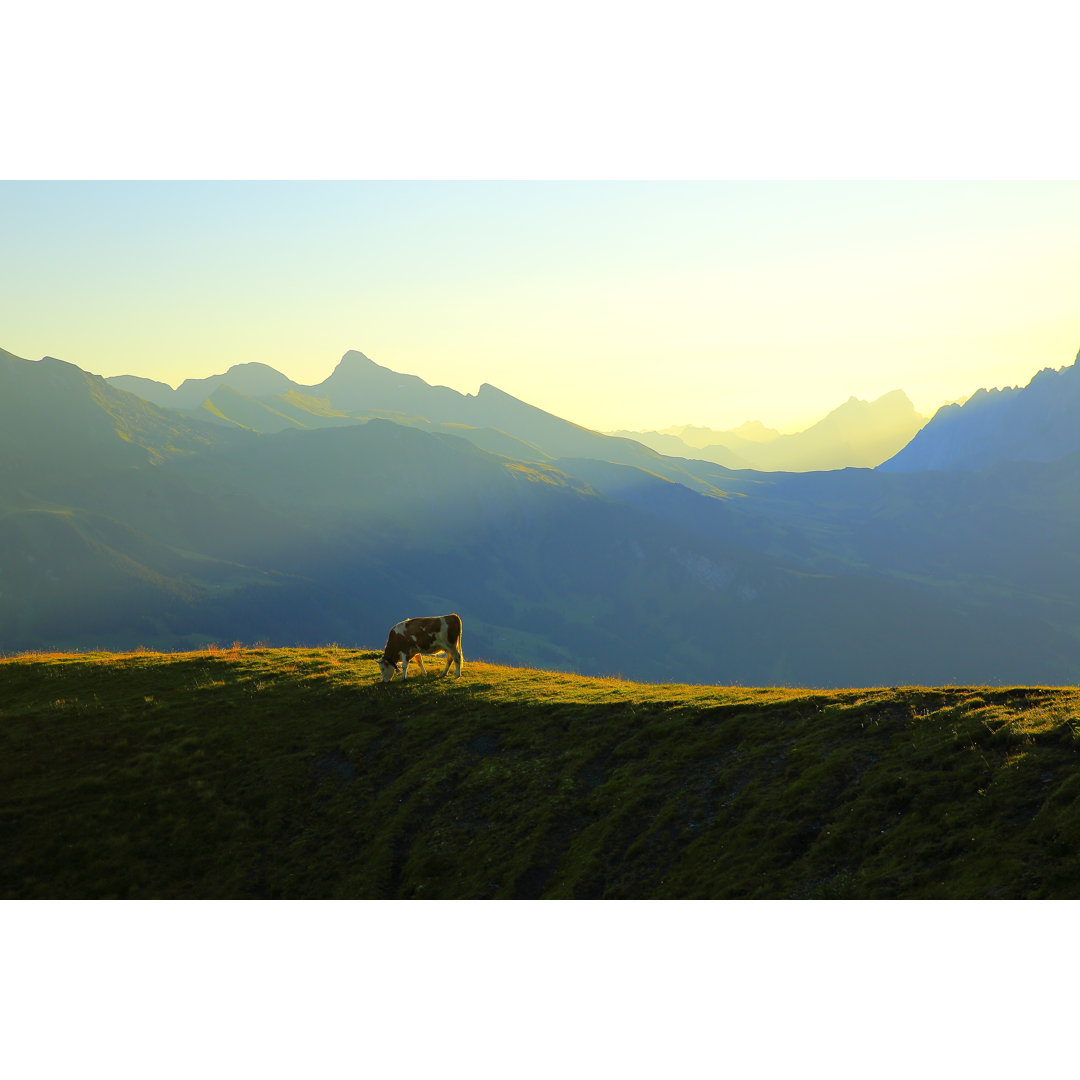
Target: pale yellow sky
x=636 y=303
x=613 y=304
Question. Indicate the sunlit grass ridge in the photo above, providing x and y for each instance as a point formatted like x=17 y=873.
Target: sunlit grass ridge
x=264 y=772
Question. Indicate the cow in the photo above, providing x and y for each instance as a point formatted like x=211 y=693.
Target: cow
x=420 y=638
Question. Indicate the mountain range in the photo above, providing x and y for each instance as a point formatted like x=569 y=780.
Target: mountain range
x=252 y=508
x=1037 y=422
x=256 y=398
x=858 y=433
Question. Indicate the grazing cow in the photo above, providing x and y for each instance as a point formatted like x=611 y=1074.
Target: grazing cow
x=420 y=638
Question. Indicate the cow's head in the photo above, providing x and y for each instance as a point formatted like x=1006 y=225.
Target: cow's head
x=388 y=670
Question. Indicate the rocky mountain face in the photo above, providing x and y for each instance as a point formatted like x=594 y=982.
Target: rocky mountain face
x=1038 y=422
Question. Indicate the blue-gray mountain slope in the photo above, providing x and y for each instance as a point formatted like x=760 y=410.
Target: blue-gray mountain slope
x=1038 y=422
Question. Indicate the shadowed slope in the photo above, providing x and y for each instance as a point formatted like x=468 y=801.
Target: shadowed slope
x=298 y=774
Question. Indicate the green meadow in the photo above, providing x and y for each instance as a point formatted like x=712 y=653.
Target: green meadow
x=295 y=773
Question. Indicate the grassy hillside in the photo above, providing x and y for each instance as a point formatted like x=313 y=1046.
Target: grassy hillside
x=295 y=773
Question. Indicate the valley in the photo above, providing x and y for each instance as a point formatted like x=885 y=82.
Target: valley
x=126 y=523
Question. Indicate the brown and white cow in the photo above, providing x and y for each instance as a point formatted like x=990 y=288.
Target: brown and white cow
x=420 y=638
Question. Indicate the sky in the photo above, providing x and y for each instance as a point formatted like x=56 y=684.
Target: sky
x=726 y=214
x=615 y=304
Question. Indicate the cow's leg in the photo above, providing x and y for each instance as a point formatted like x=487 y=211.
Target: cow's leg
x=449 y=658
x=404 y=666
x=454 y=652
x=420 y=661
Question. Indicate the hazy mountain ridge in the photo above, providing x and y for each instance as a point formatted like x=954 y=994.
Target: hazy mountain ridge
x=752 y=431
x=259 y=398
x=598 y=555
x=358 y=390
x=857 y=434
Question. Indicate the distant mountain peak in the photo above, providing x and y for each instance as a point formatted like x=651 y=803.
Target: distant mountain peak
x=857 y=433
x=247 y=378
x=355 y=364
x=253 y=367
x=895 y=401
x=756 y=431
x=355 y=361
x=897 y=397
x=50 y=361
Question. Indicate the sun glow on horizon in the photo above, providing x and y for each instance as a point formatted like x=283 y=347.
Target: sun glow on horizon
x=633 y=305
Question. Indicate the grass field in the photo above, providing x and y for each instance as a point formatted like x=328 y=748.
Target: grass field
x=295 y=773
